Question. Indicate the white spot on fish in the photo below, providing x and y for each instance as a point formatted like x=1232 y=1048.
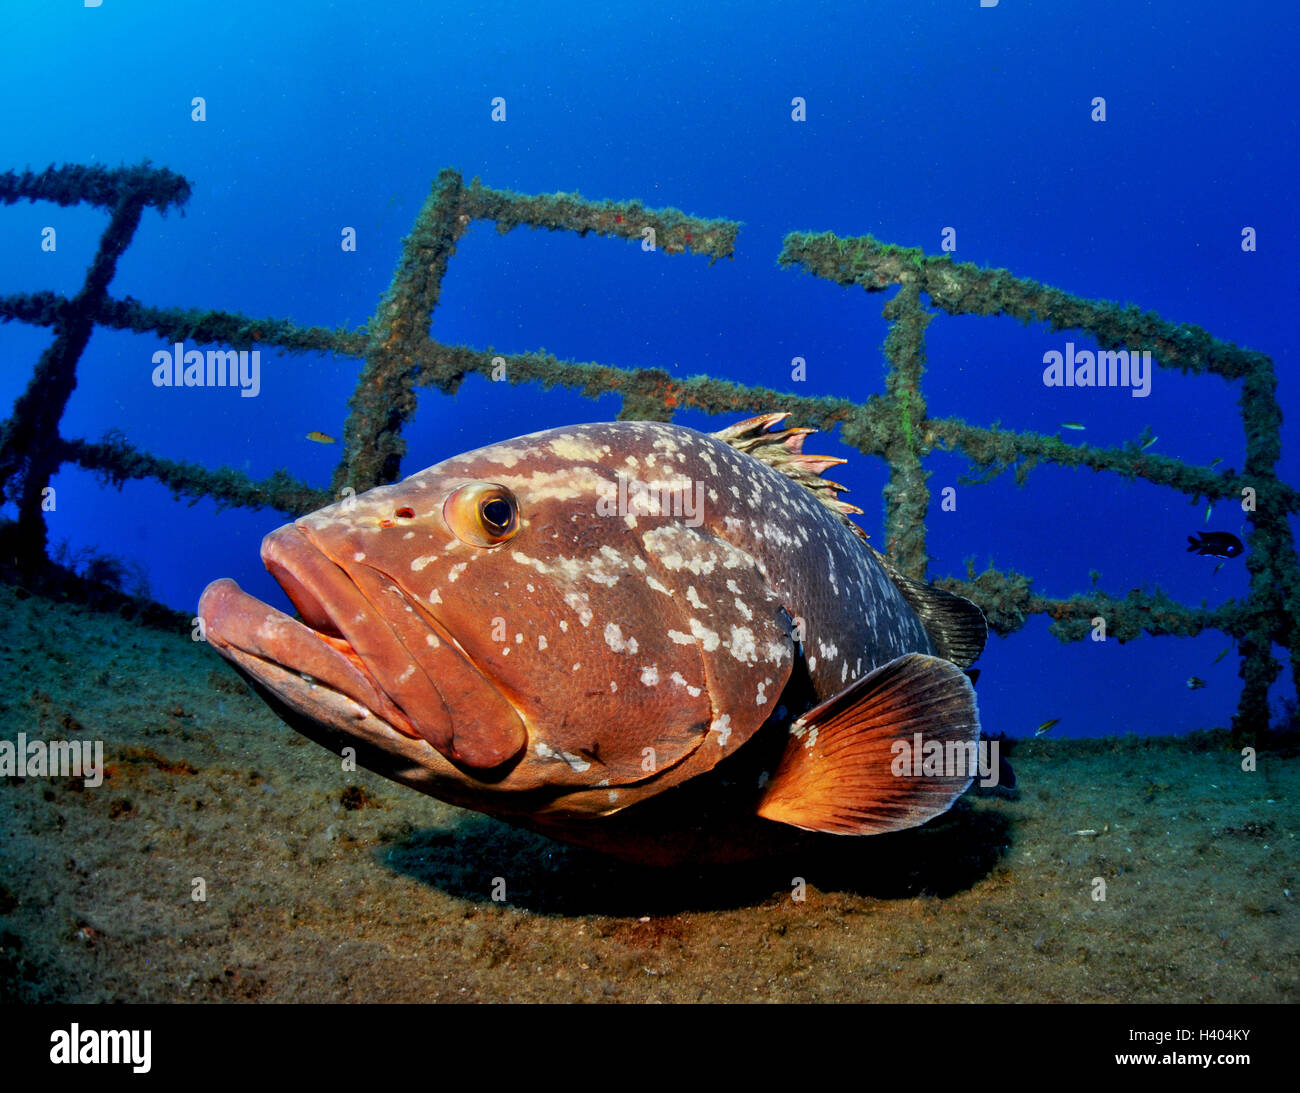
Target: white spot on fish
x=541 y=643
x=434 y=596
x=706 y=637
x=722 y=726
x=743 y=645
x=568 y=446
x=456 y=570
x=693 y=598
x=579 y=602
x=359 y=556
x=681 y=639
x=615 y=640
x=503 y=454
x=680 y=680
x=422 y=561
x=431 y=641
x=650 y=676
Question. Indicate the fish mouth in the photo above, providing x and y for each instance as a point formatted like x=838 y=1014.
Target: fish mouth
x=363 y=638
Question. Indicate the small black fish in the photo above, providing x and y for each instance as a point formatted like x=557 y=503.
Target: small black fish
x=1216 y=544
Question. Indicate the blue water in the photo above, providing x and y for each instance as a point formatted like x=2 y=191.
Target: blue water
x=921 y=116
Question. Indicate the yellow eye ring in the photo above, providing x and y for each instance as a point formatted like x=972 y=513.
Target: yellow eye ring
x=482 y=514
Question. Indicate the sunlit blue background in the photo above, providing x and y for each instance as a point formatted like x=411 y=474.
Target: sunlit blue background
x=921 y=116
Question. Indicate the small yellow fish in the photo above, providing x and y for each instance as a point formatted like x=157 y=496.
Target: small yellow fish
x=1209 y=511
x=1078 y=426
x=1045 y=726
x=1221 y=655
x=1148 y=444
x=320 y=438
x=1216 y=462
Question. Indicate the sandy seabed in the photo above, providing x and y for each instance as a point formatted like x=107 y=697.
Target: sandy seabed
x=322 y=885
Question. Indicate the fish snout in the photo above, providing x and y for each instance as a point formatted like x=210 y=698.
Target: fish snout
x=393 y=640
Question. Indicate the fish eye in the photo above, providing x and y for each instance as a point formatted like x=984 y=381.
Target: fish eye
x=482 y=513
x=497 y=514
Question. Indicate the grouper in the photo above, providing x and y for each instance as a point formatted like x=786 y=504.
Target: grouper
x=667 y=645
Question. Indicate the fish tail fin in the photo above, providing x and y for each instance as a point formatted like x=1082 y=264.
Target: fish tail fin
x=850 y=767
x=1193 y=543
x=955 y=625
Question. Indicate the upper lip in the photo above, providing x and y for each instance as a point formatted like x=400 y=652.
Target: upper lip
x=341 y=615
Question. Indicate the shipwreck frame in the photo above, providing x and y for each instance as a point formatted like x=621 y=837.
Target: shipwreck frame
x=399 y=356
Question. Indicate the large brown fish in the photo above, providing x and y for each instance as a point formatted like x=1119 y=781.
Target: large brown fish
x=665 y=644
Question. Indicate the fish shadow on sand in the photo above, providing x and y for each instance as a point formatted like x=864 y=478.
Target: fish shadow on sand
x=948 y=855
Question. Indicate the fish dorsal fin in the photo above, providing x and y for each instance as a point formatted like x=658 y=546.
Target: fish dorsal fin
x=783 y=451
x=955 y=625
x=841 y=772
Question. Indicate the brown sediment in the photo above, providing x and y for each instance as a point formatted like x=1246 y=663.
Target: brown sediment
x=400 y=356
x=309 y=897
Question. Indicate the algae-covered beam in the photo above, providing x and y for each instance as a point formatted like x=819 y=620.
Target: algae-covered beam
x=33 y=308
x=995 y=451
x=29 y=452
x=906 y=496
x=1272 y=557
x=669 y=230
x=1008 y=600
x=398 y=347
x=197 y=327
x=116 y=462
x=76 y=184
x=653 y=394
x=384 y=399
x=228 y=328
x=967 y=289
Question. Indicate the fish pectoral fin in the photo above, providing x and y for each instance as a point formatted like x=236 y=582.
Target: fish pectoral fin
x=850 y=767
